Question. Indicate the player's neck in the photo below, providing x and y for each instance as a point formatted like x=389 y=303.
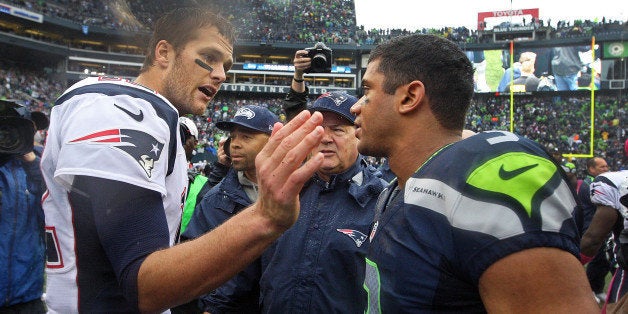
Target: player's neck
x=148 y=80
x=410 y=158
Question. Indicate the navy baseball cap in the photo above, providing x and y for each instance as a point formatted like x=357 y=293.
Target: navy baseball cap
x=252 y=117
x=336 y=102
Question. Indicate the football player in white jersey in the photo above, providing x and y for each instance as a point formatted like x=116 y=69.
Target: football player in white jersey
x=610 y=217
x=116 y=173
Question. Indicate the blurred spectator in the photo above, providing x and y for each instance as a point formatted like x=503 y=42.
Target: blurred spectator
x=566 y=66
x=189 y=135
x=600 y=266
x=527 y=81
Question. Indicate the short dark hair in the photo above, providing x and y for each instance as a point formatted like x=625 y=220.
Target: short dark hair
x=179 y=26
x=439 y=63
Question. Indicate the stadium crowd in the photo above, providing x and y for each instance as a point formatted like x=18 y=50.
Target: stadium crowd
x=300 y=21
x=553 y=121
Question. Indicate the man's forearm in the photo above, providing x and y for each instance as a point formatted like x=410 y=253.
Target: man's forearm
x=188 y=270
x=178 y=274
x=295 y=102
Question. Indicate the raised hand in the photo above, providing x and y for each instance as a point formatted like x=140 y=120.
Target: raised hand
x=281 y=170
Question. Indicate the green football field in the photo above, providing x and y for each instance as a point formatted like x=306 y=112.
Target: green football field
x=494 y=70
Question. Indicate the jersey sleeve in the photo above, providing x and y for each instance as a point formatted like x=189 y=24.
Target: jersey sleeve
x=603 y=193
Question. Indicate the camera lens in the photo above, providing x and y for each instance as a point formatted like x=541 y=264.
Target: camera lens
x=319 y=62
x=321 y=58
x=9 y=138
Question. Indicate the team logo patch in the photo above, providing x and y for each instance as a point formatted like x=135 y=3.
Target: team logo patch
x=245 y=112
x=136 y=116
x=338 y=98
x=357 y=236
x=144 y=148
x=518 y=175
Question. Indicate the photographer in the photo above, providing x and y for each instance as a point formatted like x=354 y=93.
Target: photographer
x=21 y=216
x=296 y=100
x=315 y=59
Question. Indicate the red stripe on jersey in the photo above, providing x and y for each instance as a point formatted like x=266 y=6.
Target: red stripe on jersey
x=111 y=132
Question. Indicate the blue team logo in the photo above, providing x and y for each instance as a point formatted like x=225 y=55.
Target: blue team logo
x=357 y=236
x=144 y=148
x=337 y=98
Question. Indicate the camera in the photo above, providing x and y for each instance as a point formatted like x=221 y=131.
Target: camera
x=321 y=58
x=16 y=132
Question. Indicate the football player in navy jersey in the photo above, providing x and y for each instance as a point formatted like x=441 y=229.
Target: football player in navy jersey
x=116 y=175
x=482 y=224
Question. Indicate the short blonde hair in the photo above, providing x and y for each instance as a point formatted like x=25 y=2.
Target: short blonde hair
x=527 y=67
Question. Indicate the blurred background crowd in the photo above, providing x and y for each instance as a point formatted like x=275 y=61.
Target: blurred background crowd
x=553 y=121
x=297 y=21
x=557 y=122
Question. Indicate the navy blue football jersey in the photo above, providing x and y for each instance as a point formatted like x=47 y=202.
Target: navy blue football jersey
x=471 y=204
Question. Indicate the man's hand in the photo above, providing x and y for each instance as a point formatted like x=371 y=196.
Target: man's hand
x=280 y=169
x=223 y=159
x=301 y=63
x=185 y=271
x=29 y=157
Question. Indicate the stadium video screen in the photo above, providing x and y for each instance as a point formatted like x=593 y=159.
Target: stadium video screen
x=536 y=69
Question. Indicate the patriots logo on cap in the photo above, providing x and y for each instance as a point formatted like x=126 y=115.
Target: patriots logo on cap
x=357 y=236
x=245 y=112
x=144 y=148
x=337 y=98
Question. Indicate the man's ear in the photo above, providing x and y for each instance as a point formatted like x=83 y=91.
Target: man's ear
x=164 y=53
x=412 y=95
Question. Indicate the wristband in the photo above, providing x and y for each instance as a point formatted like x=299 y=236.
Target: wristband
x=585 y=259
x=297 y=80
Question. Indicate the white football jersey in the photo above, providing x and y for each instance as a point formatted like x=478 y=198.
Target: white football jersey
x=114 y=129
x=605 y=191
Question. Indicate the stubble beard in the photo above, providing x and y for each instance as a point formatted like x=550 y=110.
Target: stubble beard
x=175 y=87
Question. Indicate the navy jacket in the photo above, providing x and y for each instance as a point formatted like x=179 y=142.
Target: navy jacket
x=317 y=266
x=21 y=232
x=223 y=201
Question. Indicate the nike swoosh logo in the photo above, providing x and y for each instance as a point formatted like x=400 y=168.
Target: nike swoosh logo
x=136 y=116
x=507 y=175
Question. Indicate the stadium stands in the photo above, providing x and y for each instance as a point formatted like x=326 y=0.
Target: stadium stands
x=298 y=21
x=550 y=119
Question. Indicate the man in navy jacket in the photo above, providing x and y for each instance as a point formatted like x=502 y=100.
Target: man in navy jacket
x=317 y=266
x=249 y=130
